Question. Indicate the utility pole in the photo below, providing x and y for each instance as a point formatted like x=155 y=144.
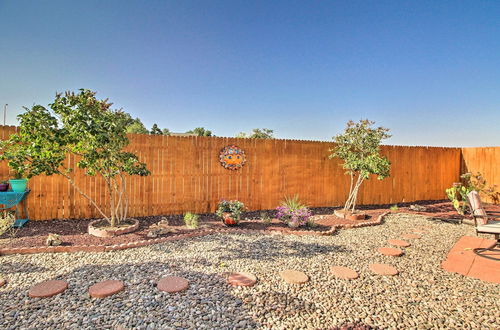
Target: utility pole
x=4 y=113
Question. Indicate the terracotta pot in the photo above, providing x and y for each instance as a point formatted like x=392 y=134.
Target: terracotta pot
x=228 y=219
x=111 y=232
x=349 y=215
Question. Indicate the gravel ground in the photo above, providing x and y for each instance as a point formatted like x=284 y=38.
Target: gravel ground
x=421 y=296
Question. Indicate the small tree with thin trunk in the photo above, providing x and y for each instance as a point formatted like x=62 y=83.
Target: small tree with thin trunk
x=359 y=148
x=81 y=125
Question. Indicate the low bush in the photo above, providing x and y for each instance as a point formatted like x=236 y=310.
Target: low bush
x=191 y=220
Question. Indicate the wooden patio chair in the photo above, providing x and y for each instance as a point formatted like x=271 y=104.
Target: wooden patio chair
x=485 y=223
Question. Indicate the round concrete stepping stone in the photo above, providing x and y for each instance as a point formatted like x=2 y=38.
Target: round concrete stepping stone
x=106 y=288
x=344 y=272
x=411 y=236
x=47 y=289
x=383 y=269
x=391 y=252
x=294 y=276
x=3 y=281
x=241 y=279
x=398 y=242
x=172 y=284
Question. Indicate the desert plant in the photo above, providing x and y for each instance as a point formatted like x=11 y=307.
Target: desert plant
x=294 y=213
x=191 y=220
x=7 y=219
x=359 y=148
x=234 y=207
x=293 y=203
x=458 y=197
x=457 y=194
x=77 y=124
x=394 y=207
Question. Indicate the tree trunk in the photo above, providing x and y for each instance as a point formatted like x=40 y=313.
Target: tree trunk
x=85 y=195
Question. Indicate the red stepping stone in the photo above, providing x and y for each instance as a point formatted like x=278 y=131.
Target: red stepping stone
x=172 y=284
x=383 y=269
x=241 y=279
x=3 y=281
x=47 y=289
x=344 y=272
x=294 y=276
x=412 y=236
x=398 y=242
x=392 y=252
x=106 y=288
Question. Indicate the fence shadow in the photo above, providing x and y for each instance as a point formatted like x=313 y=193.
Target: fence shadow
x=237 y=247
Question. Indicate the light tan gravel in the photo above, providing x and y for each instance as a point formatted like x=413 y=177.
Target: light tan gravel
x=421 y=296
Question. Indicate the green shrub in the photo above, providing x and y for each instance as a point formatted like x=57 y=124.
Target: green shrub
x=7 y=219
x=457 y=194
x=359 y=149
x=394 y=207
x=191 y=220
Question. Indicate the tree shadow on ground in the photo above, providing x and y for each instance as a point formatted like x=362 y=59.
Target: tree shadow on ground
x=237 y=247
x=138 y=306
x=19 y=267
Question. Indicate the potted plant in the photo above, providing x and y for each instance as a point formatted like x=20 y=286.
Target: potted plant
x=4 y=185
x=230 y=211
x=19 y=183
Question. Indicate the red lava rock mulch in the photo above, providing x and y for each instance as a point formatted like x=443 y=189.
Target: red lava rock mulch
x=47 y=289
x=106 y=288
x=344 y=272
x=241 y=279
x=172 y=284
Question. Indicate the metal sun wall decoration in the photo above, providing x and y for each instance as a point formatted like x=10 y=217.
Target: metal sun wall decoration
x=232 y=157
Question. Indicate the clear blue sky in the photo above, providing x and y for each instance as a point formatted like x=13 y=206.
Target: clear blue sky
x=428 y=70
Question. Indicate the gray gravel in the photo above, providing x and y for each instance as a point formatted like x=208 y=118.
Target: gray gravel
x=421 y=296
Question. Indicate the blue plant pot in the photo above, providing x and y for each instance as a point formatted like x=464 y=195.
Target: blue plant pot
x=18 y=185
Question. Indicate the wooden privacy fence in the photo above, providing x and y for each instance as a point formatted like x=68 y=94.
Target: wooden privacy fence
x=186 y=176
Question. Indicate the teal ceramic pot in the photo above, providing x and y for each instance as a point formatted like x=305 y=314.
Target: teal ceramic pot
x=18 y=185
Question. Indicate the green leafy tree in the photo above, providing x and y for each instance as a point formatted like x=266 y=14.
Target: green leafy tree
x=200 y=131
x=81 y=125
x=166 y=131
x=155 y=130
x=257 y=133
x=359 y=148
x=135 y=126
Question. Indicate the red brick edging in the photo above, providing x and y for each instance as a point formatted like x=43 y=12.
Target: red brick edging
x=203 y=232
